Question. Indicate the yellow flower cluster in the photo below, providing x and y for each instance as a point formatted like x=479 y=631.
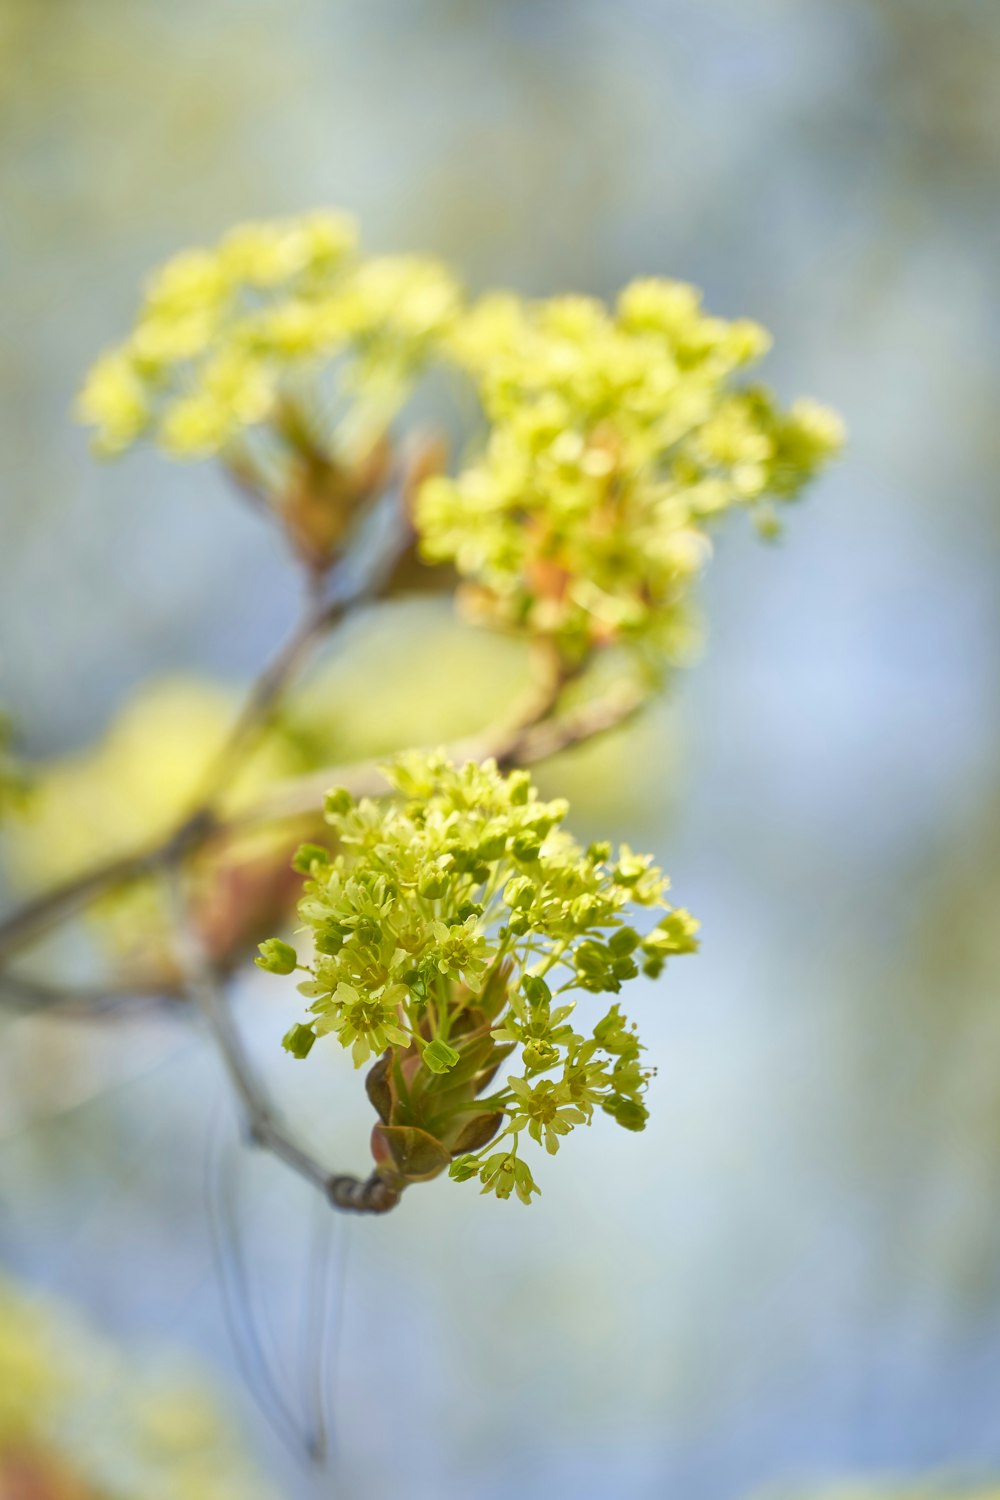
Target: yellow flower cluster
x=615 y=437
x=233 y=337
x=438 y=927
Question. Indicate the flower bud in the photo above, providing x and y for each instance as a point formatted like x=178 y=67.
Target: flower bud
x=308 y=855
x=298 y=1041
x=276 y=957
x=536 y=990
x=463 y=1168
x=519 y=893
x=438 y=1057
x=338 y=802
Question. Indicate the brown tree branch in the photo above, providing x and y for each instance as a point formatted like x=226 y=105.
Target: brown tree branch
x=320 y=616
x=38 y=916
x=510 y=745
x=80 y=1002
x=204 y=987
x=525 y=741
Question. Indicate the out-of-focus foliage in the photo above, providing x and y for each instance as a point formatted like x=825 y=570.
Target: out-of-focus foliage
x=434 y=932
x=127 y=792
x=437 y=678
x=81 y=1420
x=135 y=784
x=227 y=339
x=130 y=788
x=14 y=782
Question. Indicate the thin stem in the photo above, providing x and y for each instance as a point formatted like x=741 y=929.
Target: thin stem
x=38 y=916
x=509 y=746
x=258 y=710
x=553 y=958
x=264 y=1128
x=319 y=617
x=51 y=907
x=83 y=1002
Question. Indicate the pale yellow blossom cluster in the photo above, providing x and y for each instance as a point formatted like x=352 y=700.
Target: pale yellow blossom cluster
x=243 y=334
x=616 y=436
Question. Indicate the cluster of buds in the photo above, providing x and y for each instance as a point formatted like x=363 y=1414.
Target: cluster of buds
x=452 y=932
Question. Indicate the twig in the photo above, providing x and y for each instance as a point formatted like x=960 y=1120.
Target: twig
x=520 y=744
x=89 y=1003
x=359 y=1195
x=511 y=745
x=525 y=743
x=36 y=917
x=540 y=741
x=259 y=707
x=320 y=616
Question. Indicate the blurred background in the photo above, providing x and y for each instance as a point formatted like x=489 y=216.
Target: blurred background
x=794 y=1275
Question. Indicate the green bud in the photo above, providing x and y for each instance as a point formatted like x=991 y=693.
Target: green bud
x=492 y=848
x=276 y=957
x=585 y=911
x=519 y=783
x=535 y=989
x=308 y=855
x=338 y=802
x=548 y=816
x=433 y=883
x=519 y=892
x=465 y=911
x=592 y=957
x=623 y=941
x=330 y=938
x=526 y=845
x=464 y=1167
x=299 y=1041
x=438 y=1057
x=540 y=1055
x=626 y=1112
